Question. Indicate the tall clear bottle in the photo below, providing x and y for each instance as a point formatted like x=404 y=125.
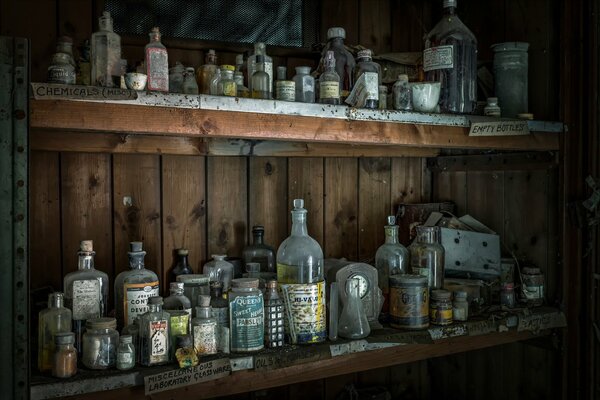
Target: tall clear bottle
x=260 y=49
x=259 y=83
x=133 y=288
x=106 y=53
x=157 y=63
x=427 y=256
x=344 y=61
x=52 y=320
x=391 y=258
x=450 y=57
x=206 y=72
x=329 y=82
x=86 y=291
x=154 y=334
x=259 y=252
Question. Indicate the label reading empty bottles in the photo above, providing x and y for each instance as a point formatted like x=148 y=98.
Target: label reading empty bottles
x=86 y=299
x=440 y=57
x=499 y=128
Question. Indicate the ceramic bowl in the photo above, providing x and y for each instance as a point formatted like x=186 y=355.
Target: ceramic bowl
x=135 y=80
x=425 y=96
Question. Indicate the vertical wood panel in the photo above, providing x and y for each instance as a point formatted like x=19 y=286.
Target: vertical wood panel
x=340 y=13
x=406 y=180
x=137 y=208
x=553 y=273
x=75 y=20
x=408 y=25
x=374 y=204
x=335 y=385
x=409 y=381
x=306 y=181
x=451 y=186
x=486 y=198
x=375 y=25
x=267 y=197
x=307 y=390
x=341 y=208
x=227 y=205
x=184 y=210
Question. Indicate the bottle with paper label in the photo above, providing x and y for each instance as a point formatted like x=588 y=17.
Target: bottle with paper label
x=154 y=334
x=157 y=64
x=344 y=61
x=260 y=49
x=329 y=82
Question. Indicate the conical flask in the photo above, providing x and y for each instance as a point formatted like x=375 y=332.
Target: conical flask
x=353 y=322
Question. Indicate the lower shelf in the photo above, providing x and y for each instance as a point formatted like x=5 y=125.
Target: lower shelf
x=294 y=364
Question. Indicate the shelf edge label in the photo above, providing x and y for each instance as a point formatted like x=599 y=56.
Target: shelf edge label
x=499 y=128
x=177 y=378
x=54 y=91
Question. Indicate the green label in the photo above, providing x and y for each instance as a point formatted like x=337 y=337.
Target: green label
x=247 y=323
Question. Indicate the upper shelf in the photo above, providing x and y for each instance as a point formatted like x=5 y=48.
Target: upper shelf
x=229 y=117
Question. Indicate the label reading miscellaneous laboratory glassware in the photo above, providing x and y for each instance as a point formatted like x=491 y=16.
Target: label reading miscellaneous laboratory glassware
x=136 y=299
x=86 y=299
x=305 y=311
x=440 y=57
x=247 y=323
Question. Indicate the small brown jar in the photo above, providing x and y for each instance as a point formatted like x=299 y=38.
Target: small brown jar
x=65 y=355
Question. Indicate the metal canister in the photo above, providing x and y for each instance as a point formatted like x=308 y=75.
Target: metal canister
x=441 y=307
x=409 y=301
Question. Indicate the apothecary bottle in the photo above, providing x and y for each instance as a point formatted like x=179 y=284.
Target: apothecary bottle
x=305 y=85
x=274 y=316
x=329 y=82
x=260 y=49
x=491 y=108
x=391 y=258
x=450 y=57
x=52 y=320
x=155 y=334
x=100 y=342
x=177 y=300
x=344 y=61
x=204 y=328
x=366 y=64
x=285 y=90
x=61 y=71
x=134 y=287
x=133 y=330
x=190 y=86
x=105 y=53
x=183 y=265
x=176 y=78
x=260 y=252
x=125 y=353
x=260 y=80
x=206 y=72
x=402 y=94
x=64 y=363
x=427 y=256
x=157 y=63
x=460 y=306
x=242 y=91
x=353 y=323
x=219 y=270
x=226 y=85
x=246 y=316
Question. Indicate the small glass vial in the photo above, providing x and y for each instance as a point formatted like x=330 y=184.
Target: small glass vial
x=125 y=353
x=176 y=78
x=219 y=270
x=440 y=307
x=105 y=53
x=100 y=343
x=492 y=109
x=460 y=306
x=260 y=49
x=246 y=316
x=190 y=86
x=226 y=85
x=185 y=354
x=329 y=82
x=206 y=72
x=65 y=355
x=154 y=334
x=60 y=70
x=157 y=63
x=204 y=328
x=52 y=320
x=274 y=330
x=242 y=91
x=260 y=80
x=214 y=83
x=305 y=85
x=285 y=90
x=427 y=256
x=383 y=95
x=402 y=94
x=507 y=295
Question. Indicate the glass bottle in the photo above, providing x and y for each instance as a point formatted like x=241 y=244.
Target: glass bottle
x=450 y=57
x=206 y=72
x=366 y=64
x=274 y=331
x=427 y=256
x=64 y=363
x=125 y=353
x=133 y=330
x=219 y=270
x=402 y=94
x=260 y=49
x=52 y=320
x=260 y=252
x=440 y=307
x=507 y=295
x=204 y=328
x=344 y=61
x=329 y=82
x=154 y=334
x=305 y=85
x=492 y=109
x=260 y=80
x=134 y=287
x=246 y=316
x=383 y=97
x=183 y=265
x=226 y=85
x=220 y=312
x=185 y=354
x=61 y=71
x=64 y=44
x=391 y=258
x=100 y=342
x=242 y=91
x=105 y=53
x=214 y=83
x=285 y=90
x=157 y=63
x=460 y=306
x=193 y=286
x=353 y=322
x=190 y=86
x=86 y=291
x=176 y=78
x=177 y=301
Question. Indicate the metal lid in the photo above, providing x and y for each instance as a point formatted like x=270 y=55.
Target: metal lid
x=182 y=341
x=101 y=323
x=303 y=69
x=126 y=339
x=156 y=300
x=449 y=3
x=366 y=53
x=190 y=279
x=136 y=247
x=440 y=294
x=64 y=338
x=258 y=228
x=408 y=279
x=460 y=294
x=251 y=283
x=391 y=220
x=176 y=286
x=336 y=32
x=227 y=67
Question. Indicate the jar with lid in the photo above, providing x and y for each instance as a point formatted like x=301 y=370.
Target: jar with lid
x=65 y=355
x=402 y=94
x=492 y=109
x=125 y=353
x=246 y=316
x=460 y=306
x=193 y=286
x=176 y=78
x=64 y=44
x=507 y=295
x=440 y=307
x=226 y=85
x=219 y=270
x=533 y=286
x=100 y=343
x=427 y=256
x=61 y=70
x=274 y=330
x=190 y=86
x=305 y=85
x=409 y=301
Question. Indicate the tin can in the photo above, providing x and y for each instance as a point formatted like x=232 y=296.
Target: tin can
x=440 y=312
x=409 y=301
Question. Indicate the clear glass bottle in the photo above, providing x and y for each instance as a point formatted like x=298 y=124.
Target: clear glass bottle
x=507 y=295
x=64 y=363
x=285 y=90
x=219 y=306
x=246 y=316
x=260 y=80
x=64 y=44
x=492 y=109
x=274 y=316
x=155 y=334
x=353 y=322
x=226 y=85
x=134 y=287
x=100 y=342
x=190 y=86
x=329 y=82
x=460 y=306
x=214 y=83
x=52 y=320
x=133 y=330
x=344 y=61
x=305 y=85
x=105 y=53
x=177 y=300
x=427 y=256
x=125 y=353
x=450 y=57
x=61 y=71
x=260 y=49
x=176 y=78
x=219 y=270
x=402 y=94
x=204 y=328
x=242 y=91
x=86 y=291
x=157 y=63
x=206 y=72
x=366 y=64
x=260 y=252
x=391 y=258
x=183 y=265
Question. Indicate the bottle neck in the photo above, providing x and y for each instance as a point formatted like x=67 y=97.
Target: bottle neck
x=451 y=10
x=55 y=302
x=176 y=292
x=258 y=237
x=136 y=262
x=154 y=37
x=427 y=236
x=391 y=234
x=260 y=67
x=299 y=224
x=337 y=41
x=155 y=307
x=203 y=312
x=183 y=260
x=86 y=261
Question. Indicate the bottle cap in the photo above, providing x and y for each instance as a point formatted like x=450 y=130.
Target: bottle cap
x=258 y=228
x=219 y=257
x=126 y=339
x=366 y=53
x=298 y=204
x=408 y=280
x=190 y=70
x=303 y=69
x=272 y=284
x=336 y=32
x=136 y=247
x=391 y=220
x=403 y=78
x=203 y=300
x=440 y=294
x=101 y=323
x=56 y=299
x=64 y=338
x=245 y=283
x=449 y=3
x=176 y=286
x=86 y=245
x=182 y=341
x=183 y=252
x=156 y=300
x=227 y=67
x=155 y=30
x=253 y=267
x=259 y=47
x=383 y=89
x=211 y=52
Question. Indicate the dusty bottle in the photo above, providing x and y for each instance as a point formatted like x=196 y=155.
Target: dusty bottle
x=427 y=256
x=105 y=53
x=274 y=331
x=259 y=252
x=125 y=353
x=134 y=287
x=65 y=356
x=157 y=63
x=177 y=301
x=344 y=61
x=133 y=330
x=219 y=270
x=154 y=334
x=61 y=71
x=52 y=320
x=219 y=310
x=260 y=80
x=285 y=89
x=402 y=94
x=226 y=85
x=353 y=322
x=329 y=82
x=260 y=49
x=366 y=64
x=206 y=72
x=183 y=265
x=190 y=86
x=86 y=291
x=204 y=328
x=305 y=85
x=242 y=91
x=450 y=57
x=176 y=78
x=246 y=316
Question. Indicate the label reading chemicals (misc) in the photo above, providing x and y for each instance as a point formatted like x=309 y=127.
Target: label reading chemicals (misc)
x=157 y=69
x=247 y=323
x=305 y=311
x=440 y=57
x=136 y=299
x=329 y=90
x=86 y=299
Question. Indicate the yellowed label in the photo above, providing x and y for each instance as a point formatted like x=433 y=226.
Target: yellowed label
x=229 y=89
x=136 y=299
x=440 y=317
x=329 y=90
x=305 y=310
x=409 y=307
